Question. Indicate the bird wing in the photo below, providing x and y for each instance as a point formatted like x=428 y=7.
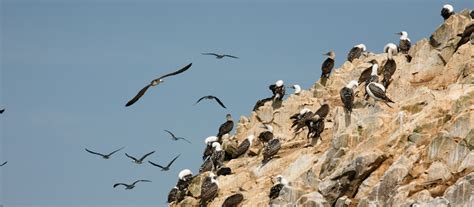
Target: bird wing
x=96 y=153
x=131 y=157
x=231 y=56
x=177 y=72
x=210 y=54
x=4 y=163
x=184 y=139
x=115 y=151
x=172 y=135
x=201 y=99
x=219 y=101
x=1 y=111
x=169 y=164
x=146 y=155
x=138 y=96
x=323 y=111
x=117 y=184
x=156 y=165
x=148 y=181
x=365 y=75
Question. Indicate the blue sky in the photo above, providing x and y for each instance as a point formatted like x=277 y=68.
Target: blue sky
x=67 y=70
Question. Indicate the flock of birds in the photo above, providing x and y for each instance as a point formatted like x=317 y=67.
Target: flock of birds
x=222 y=147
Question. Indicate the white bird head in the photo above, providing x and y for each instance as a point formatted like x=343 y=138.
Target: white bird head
x=362 y=46
x=404 y=35
x=210 y=139
x=449 y=7
x=297 y=89
x=184 y=173
x=217 y=146
x=279 y=83
x=352 y=84
x=250 y=138
x=281 y=179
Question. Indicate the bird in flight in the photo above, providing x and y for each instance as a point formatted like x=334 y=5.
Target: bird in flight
x=3 y=163
x=175 y=138
x=1 y=111
x=220 y=56
x=155 y=83
x=131 y=186
x=139 y=161
x=167 y=166
x=105 y=156
x=211 y=97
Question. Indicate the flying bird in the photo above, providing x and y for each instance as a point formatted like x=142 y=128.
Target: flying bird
x=220 y=56
x=105 y=156
x=155 y=83
x=175 y=138
x=130 y=186
x=139 y=161
x=167 y=166
x=1 y=111
x=3 y=163
x=211 y=97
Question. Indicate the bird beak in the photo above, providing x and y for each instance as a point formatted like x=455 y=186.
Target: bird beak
x=398 y=33
x=326 y=54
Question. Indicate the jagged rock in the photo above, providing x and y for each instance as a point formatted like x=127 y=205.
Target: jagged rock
x=461 y=193
x=313 y=199
x=467 y=163
x=437 y=171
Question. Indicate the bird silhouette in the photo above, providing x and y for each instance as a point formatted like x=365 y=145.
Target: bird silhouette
x=175 y=138
x=105 y=156
x=167 y=167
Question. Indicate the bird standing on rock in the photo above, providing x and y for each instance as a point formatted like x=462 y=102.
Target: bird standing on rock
x=328 y=64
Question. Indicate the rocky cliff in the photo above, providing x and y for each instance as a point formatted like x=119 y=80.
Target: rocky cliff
x=419 y=151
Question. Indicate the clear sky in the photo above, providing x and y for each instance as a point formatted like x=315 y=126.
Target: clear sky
x=67 y=70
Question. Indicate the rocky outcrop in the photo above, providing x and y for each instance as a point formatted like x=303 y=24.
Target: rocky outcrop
x=419 y=151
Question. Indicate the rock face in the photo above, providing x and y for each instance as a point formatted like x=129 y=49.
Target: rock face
x=419 y=151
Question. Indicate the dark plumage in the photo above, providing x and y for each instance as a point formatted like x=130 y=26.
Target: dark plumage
x=347 y=95
x=219 y=56
x=266 y=136
x=175 y=138
x=278 y=90
x=167 y=167
x=323 y=111
x=270 y=150
x=328 y=65
x=173 y=195
x=405 y=44
x=218 y=155
x=388 y=70
x=275 y=191
x=226 y=127
x=208 y=150
x=209 y=190
x=244 y=146
x=366 y=74
x=223 y=171
x=185 y=178
x=211 y=97
x=207 y=165
x=2 y=110
x=130 y=186
x=447 y=11
x=315 y=128
x=3 y=163
x=465 y=36
x=105 y=156
x=377 y=92
x=233 y=200
x=139 y=161
x=355 y=52
x=261 y=103
x=155 y=82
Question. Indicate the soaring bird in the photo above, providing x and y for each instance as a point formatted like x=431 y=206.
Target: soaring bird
x=278 y=90
x=347 y=95
x=405 y=44
x=1 y=111
x=3 y=163
x=356 y=52
x=389 y=69
x=270 y=150
x=175 y=138
x=328 y=64
x=211 y=97
x=167 y=167
x=377 y=92
x=219 y=56
x=233 y=200
x=226 y=127
x=155 y=83
x=244 y=146
x=105 y=156
x=139 y=161
x=130 y=186
x=275 y=190
x=209 y=189
x=447 y=11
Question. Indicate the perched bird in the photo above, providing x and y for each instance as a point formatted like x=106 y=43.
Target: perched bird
x=315 y=128
x=275 y=190
x=226 y=127
x=391 y=46
x=300 y=120
x=328 y=64
x=447 y=11
x=209 y=189
x=389 y=68
x=167 y=167
x=405 y=44
x=208 y=150
x=173 y=194
x=261 y=103
x=233 y=200
x=299 y=115
x=465 y=36
x=2 y=110
x=218 y=155
x=323 y=111
x=244 y=146
x=107 y=156
x=377 y=92
x=297 y=89
x=185 y=176
x=139 y=161
x=356 y=52
x=370 y=73
x=212 y=97
x=175 y=138
x=347 y=95
x=278 y=90
x=131 y=186
x=270 y=150
x=207 y=165
x=219 y=56
x=267 y=135
x=3 y=163
x=155 y=83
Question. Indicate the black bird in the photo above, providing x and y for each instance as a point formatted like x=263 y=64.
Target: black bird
x=105 y=156
x=261 y=103
x=377 y=92
x=219 y=56
x=209 y=189
x=465 y=36
x=139 y=161
x=270 y=150
x=131 y=186
x=278 y=90
x=175 y=138
x=405 y=44
x=173 y=194
x=368 y=74
x=208 y=150
x=389 y=69
x=1 y=111
x=155 y=83
x=447 y=11
x=244 y=146
x=347 y=95
x=267 y=135
x=356 y=52
x=275 y=190
x=328 y=64
x=167 y=166
x=226 y=127
x=211 y=97
x=185 y=177
x=233 y=200
x=3 y=163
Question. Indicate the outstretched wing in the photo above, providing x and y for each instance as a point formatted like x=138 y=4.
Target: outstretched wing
x=131 y=157
x=184 y=139
x=210 y=54
x=117 y=184
x=138 y=96
x=4 y=163
x=177 y=72
x=152 y=163
x=146 y=155
x=173 y=161
x=96 y=153
x=201 y=99
x=141 y=181
x=219 y=101
x=1 y=111
x=231 y=56
x=115 y=151
x=172 y=135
